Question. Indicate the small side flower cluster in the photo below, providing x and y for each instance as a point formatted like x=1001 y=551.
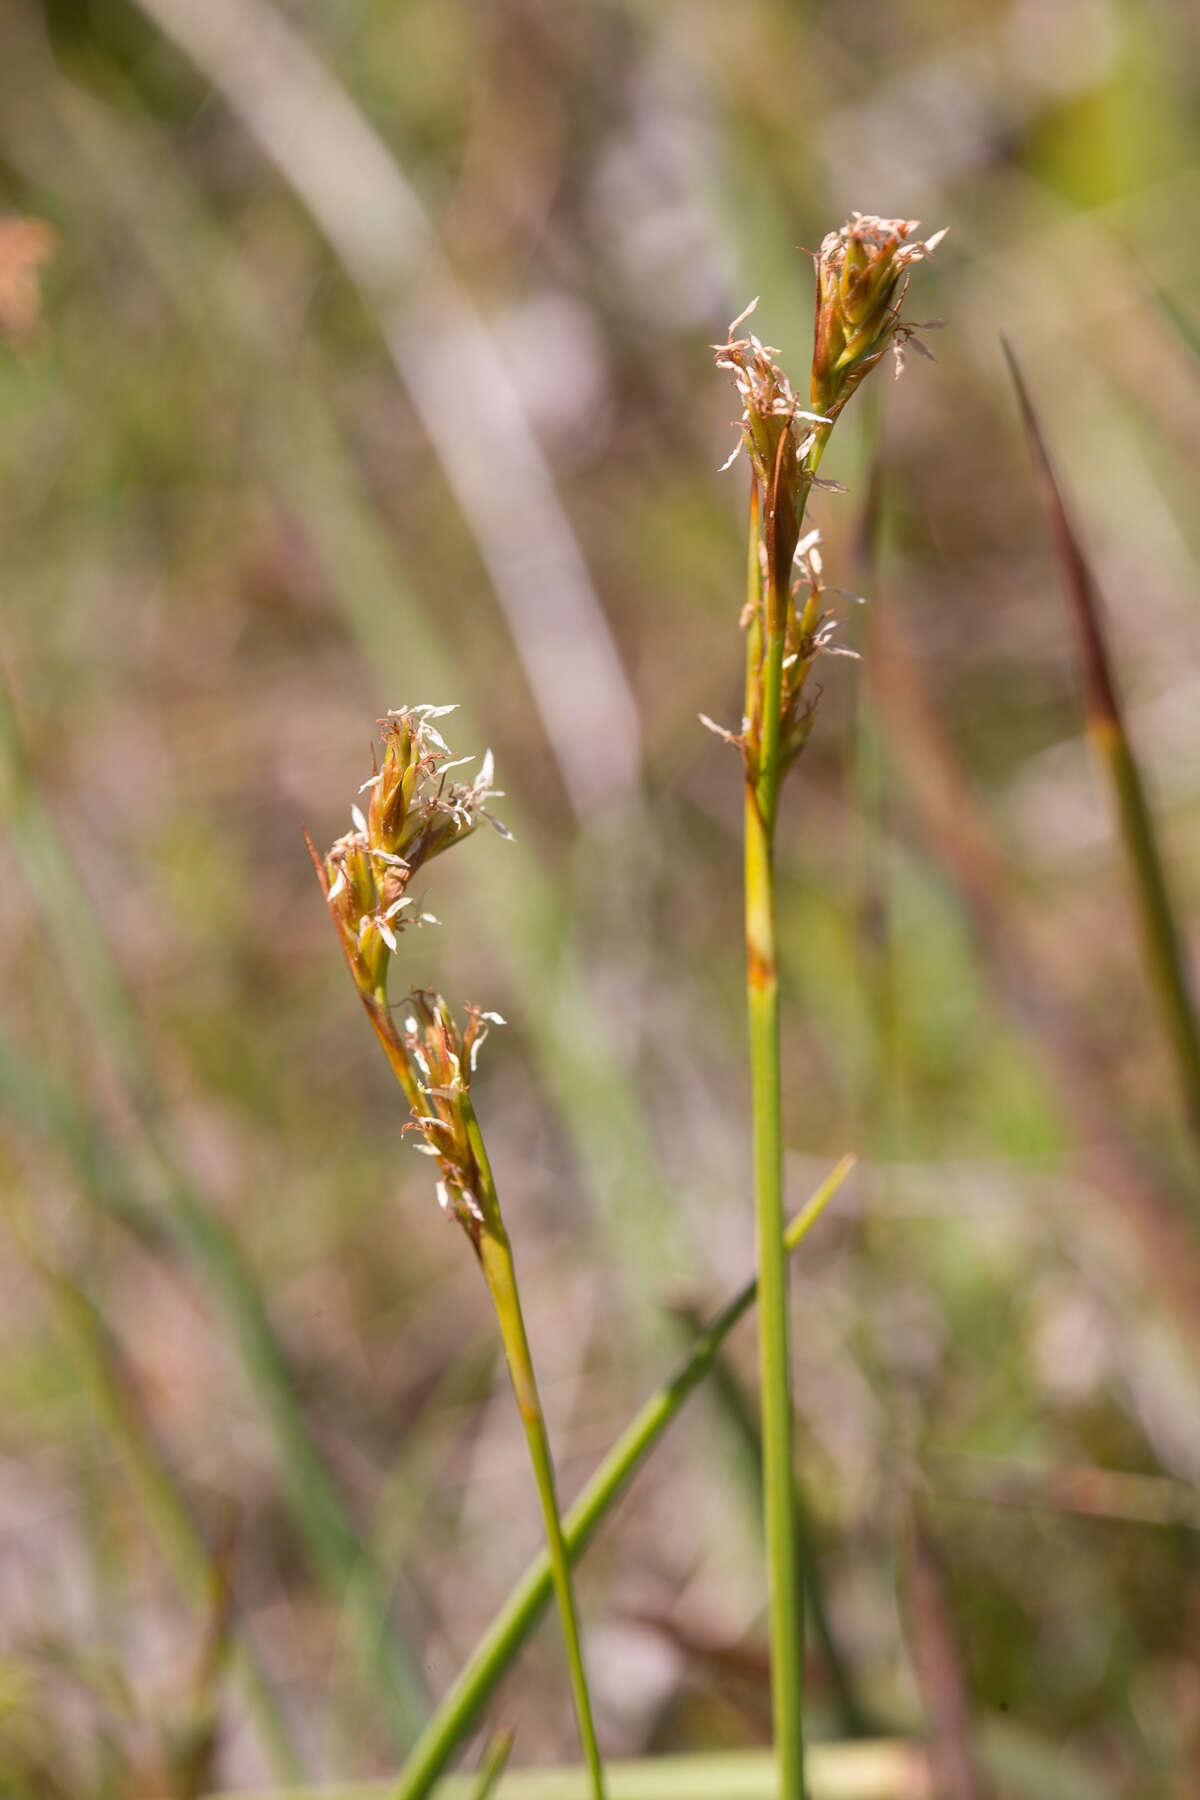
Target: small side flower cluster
x=414 y=813
x=444 y=1058
x=811 y=629
x=862 y=277
x=770 y=410
x=809 y=632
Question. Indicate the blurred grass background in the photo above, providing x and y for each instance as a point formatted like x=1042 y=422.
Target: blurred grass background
x=373 y=368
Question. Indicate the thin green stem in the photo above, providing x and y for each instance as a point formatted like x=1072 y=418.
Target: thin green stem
x=521 y=1612
x=376 y=1005
x=745 y=1429
x=784 y=1594
x=496 y=1259
x=768 y=601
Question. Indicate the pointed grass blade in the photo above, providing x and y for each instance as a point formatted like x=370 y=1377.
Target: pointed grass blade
x=1165 y=963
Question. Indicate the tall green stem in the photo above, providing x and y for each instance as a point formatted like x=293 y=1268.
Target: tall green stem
x=496 y=1258
x=785 y=1600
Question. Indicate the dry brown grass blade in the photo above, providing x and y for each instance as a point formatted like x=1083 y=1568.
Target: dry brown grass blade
x=1024 y=972
x=1166 y=966
x=1078 y=582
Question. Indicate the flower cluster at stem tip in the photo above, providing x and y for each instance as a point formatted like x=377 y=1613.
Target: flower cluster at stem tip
x=862 y=274
x=415 y=812
x=862 y=277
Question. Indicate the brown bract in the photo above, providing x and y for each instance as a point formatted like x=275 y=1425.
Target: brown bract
x=773 y=440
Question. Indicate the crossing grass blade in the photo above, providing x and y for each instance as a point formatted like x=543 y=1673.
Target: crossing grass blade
x=459 y=1711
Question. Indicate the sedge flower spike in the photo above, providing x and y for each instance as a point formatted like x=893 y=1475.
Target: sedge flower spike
x=415 y=812
x=862 y=274
x=862 y=277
